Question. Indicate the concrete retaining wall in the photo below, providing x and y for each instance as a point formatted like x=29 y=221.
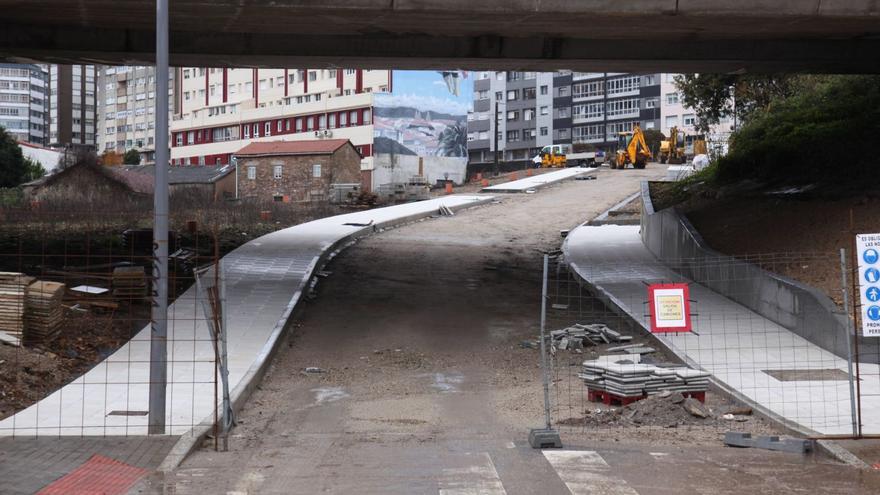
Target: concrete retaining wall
x=800 y=308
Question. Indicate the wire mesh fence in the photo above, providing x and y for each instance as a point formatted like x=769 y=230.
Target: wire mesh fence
x=75 y=300
x=759 y=342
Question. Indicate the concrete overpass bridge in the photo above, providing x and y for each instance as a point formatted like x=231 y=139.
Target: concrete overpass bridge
x=588 y=35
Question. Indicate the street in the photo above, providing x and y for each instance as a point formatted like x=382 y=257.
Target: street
x=423 y=388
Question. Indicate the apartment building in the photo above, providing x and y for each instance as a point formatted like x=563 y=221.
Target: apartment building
x=72 y=106
x=24 y=100
x=535 y=109
x=673 y=113
x=219 y=111
x=126 y=110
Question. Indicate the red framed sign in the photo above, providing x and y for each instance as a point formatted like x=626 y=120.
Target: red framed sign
x=670 y=308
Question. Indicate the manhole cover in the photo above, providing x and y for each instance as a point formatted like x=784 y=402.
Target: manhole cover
x=128 y=413
x=808 y=375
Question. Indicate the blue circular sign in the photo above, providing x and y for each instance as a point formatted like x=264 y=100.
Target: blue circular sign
x=872 y=275
x=871 y=256
x=872 y=294
x=874 y=313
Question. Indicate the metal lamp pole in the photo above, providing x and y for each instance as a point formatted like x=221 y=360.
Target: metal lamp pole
x=159 y=315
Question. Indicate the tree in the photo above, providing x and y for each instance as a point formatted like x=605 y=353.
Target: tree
x=453 y=141
x=131 y=157
x=33 y=169
x=13 y=169
x=715 y=96
x=652 y=139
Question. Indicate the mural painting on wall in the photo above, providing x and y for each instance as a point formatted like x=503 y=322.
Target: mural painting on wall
x=425 y=115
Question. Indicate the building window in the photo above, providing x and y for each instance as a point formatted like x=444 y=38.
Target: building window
x=247 y=131
x=513 y=115
x=352 y=117
x=563 y=91
x=310 y=123
x=278 y=125
x=688 y=119
x=528 y=114
x=652 y=103
x=322 y=121
x=498 y=96
x=544 y=131
x=190 y=137
x=276 y=171
x=672 y=98
x=512 y=94
x=313 y=76
x=343 y=119
x=316 y=170
x=544 y=89
x=267 y=127
x=671 y=120
x=623 y=85
x=179 y=139
x=333 y=121
x=512 y=136
x=299 y=124
x=252 y=172
x=529 y=94
x=368 y=116
x=545 y=110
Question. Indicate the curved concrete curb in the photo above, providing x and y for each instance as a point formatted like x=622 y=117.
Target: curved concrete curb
x=538 y=181
x=188 y=442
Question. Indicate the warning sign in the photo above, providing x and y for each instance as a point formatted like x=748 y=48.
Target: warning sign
x=868 y=252
x=669 y=307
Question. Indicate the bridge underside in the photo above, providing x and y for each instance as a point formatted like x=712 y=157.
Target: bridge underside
x=587 y=35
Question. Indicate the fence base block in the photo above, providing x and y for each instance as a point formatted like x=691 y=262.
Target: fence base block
x=543 y=438
x=793 y=445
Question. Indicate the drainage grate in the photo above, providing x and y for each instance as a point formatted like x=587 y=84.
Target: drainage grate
x=128 y=413
x=819 y=375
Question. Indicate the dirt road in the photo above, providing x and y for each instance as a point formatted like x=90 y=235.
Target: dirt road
x=425 y=388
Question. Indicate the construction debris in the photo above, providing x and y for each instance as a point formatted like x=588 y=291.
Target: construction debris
x=794 y=445
x=445 y=211
x=43 y=312
x=129 y=282
x=628 y=378
x=13 y=291
x=578 y=335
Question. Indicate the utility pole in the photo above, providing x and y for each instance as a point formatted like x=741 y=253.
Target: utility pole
x=496 y=136
x=605 y=111
x=159 y=315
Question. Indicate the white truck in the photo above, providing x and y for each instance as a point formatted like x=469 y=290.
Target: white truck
x=560 y=155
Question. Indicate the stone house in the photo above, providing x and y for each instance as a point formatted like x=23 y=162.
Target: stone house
x=88 y=182
x=201 y=182
x=296 y=171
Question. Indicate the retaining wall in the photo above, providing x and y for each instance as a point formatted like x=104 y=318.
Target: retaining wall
x=800 y=308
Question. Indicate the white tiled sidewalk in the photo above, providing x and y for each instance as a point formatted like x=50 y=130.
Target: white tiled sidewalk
x=538 y=181
x=735 y=344
x=265 y=279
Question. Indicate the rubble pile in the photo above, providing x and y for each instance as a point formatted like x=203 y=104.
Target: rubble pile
x=579 y=336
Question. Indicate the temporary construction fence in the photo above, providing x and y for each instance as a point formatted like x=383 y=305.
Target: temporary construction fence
x=609 y=370
x=75 y=299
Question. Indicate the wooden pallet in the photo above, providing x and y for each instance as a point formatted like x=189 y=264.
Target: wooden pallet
x=610 y=399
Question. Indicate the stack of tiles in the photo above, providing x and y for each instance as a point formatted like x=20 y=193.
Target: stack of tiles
x=634 y=379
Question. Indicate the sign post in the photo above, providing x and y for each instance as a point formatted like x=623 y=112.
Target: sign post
x=670 y=308
x=868 y=258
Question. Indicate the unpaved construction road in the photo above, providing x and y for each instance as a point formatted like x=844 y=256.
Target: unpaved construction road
x=426 y=389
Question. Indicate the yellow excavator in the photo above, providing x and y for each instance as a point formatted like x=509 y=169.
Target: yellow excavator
x=631 y=149
x=672 y=150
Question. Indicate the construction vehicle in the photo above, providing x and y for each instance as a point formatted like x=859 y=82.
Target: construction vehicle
x=560 y=155
x=672 y=150
x=631 y=149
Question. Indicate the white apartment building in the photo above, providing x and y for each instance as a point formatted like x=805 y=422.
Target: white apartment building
x=219 y=111
x=126 y=110
x=24 y=105
x=673 y=113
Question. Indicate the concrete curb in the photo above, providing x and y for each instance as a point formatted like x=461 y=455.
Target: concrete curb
x=538 y=185
x=188 y=442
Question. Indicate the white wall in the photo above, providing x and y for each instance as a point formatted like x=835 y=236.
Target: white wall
x=389 y=168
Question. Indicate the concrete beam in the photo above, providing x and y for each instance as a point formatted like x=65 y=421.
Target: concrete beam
x=587 y=35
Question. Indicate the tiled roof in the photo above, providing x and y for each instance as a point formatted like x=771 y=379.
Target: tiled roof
x=187 y=174
x=311 y=147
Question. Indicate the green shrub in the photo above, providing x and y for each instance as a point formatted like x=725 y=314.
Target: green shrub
x=825 y=133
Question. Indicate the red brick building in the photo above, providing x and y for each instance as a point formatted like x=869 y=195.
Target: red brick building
x=295 y=171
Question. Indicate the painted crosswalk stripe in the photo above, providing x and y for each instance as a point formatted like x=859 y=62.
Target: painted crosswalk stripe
x=477 y=478
x=586 y=472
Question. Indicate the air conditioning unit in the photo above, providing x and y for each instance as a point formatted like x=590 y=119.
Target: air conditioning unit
x=317 y=133
x=328 y=133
